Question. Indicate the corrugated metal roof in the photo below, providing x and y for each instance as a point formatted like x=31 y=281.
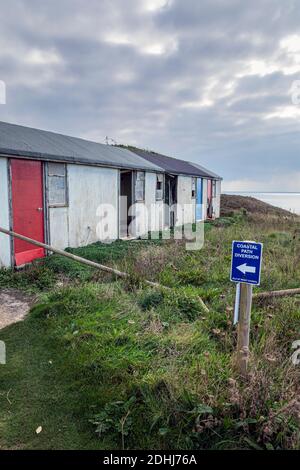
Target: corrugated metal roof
x=27 y=142
x=174 y=165
x=21 y=141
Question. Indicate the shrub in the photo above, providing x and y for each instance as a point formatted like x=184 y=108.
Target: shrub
x=115 y=418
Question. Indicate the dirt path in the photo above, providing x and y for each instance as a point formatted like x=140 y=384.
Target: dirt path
x=14 y=305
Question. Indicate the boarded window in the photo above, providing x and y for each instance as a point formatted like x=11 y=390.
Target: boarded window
x=159 y=187
x=193 y=188
x=57 y=184
x=140 y=186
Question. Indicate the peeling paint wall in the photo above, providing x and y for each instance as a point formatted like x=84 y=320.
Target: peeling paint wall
x=92 y=212
x=80 y=224
x=217 y=200
x=90 y=188
x=5 y=253
x=59 y=227
x=155 y=208
x=186 y=203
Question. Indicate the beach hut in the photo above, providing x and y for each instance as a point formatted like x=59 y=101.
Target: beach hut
x=70 y=192
x=187 y=183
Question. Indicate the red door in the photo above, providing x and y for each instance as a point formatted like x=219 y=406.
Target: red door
x=209 y=199
x=27 y=208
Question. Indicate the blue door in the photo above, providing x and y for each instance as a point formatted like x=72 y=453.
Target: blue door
x=199 y=200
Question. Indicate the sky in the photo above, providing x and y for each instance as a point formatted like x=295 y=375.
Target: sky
x=210 y=81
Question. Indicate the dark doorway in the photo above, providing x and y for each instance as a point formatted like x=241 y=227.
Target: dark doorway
x=125 y=202
x=209 y=199
x=170 y=200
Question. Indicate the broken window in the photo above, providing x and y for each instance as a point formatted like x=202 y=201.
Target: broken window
x=140 y=186
x=57 y=184
x=193 y=188
x=159 y=187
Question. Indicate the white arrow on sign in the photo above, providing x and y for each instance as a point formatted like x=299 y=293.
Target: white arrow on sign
x=246 y=269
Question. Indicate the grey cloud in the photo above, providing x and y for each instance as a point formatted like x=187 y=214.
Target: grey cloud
x=108 y=81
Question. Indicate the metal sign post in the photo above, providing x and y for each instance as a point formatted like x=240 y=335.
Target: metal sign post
x=245 y=270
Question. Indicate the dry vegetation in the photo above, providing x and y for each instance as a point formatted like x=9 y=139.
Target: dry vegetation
x=233 y=203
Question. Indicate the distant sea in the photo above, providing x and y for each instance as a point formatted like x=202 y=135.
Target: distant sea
x=288 y=201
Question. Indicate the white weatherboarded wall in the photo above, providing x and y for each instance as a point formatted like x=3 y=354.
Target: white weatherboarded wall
x=5 y=254
x=59 y=227
x=186 y=203
x=204 y=196
x=148 y=214
x=90 y=189
x=217 y=200
x=154 y=207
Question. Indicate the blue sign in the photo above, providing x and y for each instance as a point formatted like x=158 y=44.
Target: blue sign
x=246 y=262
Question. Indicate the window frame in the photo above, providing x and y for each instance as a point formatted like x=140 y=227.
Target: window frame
x=194 y=187
x=161 y=198
x=144 y=185
x=66 y=188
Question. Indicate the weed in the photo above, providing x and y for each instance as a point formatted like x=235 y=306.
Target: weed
x=115 y=419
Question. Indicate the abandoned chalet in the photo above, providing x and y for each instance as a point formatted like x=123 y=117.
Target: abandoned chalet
x=52 y=185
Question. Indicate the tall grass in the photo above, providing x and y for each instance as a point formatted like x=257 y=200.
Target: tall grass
x=133 y=367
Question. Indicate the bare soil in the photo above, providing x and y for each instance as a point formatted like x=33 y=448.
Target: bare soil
x=14 y=306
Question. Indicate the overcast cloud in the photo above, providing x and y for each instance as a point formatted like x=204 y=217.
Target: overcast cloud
x=204 y=80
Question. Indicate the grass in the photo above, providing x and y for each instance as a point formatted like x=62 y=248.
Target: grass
x=106 y=364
